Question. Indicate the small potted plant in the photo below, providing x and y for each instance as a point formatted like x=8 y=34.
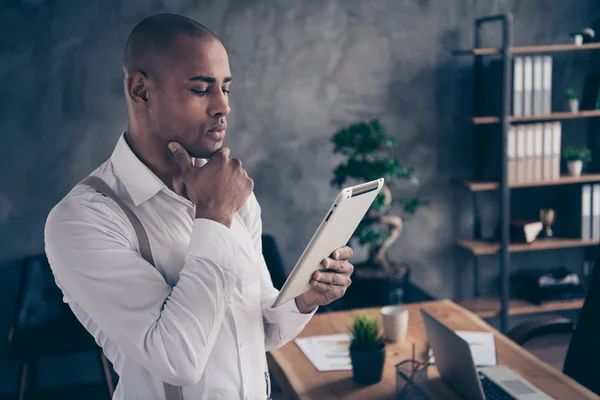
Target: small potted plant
x=572 y=99
x=575 y=157
x=367 y=351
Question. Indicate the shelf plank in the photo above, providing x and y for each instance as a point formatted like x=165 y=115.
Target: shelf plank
x=485 y=248
x=483 y=186
x=536 y=118
x=549 y=48
x=490 y=307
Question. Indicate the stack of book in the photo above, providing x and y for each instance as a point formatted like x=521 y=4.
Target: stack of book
x=534 y=152
x=532 y=85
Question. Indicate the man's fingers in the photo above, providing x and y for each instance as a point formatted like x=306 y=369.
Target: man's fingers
x=331 y=292
x=181 y=155
x=200 y=162
x=343 y=253
x=341 y=266
x=223 y=151
x=332 y=278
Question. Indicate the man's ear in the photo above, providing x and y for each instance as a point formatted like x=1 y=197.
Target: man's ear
x=137 y=87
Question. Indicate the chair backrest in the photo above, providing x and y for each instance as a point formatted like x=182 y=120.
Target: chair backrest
x=39 y=300
x=274 y=262
x=581 y=362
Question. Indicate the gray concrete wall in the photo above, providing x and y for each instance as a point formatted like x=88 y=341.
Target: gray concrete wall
x=303 y=69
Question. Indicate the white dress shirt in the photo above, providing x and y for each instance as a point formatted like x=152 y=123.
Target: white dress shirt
x=200 y=318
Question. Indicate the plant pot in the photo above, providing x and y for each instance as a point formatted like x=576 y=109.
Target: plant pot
x=373 y=287
x=575 y=167
x=367 y=366
x=578 y=40
x=574 y=105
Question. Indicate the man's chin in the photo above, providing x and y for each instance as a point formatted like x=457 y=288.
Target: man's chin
x=206 y=152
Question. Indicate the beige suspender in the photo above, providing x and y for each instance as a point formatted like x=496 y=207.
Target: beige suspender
x=171 y=392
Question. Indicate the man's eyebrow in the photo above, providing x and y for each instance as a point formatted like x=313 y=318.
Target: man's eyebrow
x=208 y=79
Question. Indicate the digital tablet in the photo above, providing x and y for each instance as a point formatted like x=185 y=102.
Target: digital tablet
x=335 y=231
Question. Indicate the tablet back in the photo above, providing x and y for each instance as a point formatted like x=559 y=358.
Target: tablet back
x=335 y=231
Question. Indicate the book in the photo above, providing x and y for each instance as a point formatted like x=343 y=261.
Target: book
x=538 y=92
x=547 y=85
x=527 y=86
x=595 y=234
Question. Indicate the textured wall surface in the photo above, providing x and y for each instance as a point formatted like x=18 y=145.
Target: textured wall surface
x=302 y=69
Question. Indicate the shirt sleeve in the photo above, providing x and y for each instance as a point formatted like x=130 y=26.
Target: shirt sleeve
x=282 y=323
x=95 y=259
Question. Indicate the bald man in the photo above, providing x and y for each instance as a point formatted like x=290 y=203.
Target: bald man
x=187 y=313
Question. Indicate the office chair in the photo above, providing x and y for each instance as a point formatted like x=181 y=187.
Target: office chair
x=44 y=325
x=583 y=350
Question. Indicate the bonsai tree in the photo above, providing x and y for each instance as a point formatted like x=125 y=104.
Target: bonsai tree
x=368 y=149
x=575 y=153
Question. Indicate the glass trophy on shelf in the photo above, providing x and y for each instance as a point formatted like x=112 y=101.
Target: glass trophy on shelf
x=547 y=217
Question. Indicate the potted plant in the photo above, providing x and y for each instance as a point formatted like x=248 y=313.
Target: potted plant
x=367 y=351
x=575 y=157
x=367 y=148
x=572 y=99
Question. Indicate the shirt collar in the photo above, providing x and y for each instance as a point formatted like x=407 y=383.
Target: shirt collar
x=139 y=181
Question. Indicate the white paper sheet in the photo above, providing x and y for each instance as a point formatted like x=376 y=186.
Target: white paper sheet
x=327 y=352
x=483 y=347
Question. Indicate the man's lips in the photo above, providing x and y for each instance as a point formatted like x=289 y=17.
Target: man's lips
x=217 y=133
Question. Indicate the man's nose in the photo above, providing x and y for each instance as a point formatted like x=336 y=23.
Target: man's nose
x=219 y=105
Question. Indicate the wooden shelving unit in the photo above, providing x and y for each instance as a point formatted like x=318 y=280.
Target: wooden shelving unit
x=490 y=307
x=480 y=186
x=503 y=306
x=557 y=116
x=485 y=248
x=548 y=48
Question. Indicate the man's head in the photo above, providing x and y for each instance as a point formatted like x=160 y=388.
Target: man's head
x=177 y=83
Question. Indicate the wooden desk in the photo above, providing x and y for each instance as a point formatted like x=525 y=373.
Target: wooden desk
x=299 y=379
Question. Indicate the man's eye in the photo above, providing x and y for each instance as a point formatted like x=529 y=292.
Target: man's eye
x=200 y=92
x=226 y=91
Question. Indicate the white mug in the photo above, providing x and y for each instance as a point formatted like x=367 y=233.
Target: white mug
x=395 y=322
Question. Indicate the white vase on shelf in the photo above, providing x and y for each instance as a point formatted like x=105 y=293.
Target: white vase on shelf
x=575 y=167
x=574 y=105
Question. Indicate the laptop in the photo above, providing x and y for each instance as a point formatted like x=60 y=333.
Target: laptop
x=455 y=364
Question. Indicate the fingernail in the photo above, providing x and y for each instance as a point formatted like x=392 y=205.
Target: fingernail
x=313 y=282
x=172 y=147
x=326 y=263
x=317 y=275
x=336 y=254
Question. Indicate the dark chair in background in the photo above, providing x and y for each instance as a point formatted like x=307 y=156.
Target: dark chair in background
x=547 y=338
x=44 y=325
x=581 y=341
x=273 y=260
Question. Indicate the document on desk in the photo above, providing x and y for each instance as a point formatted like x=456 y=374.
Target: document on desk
x=327 y=352
x=483 y=347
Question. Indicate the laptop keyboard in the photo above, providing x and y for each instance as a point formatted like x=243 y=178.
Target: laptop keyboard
x=492 y=391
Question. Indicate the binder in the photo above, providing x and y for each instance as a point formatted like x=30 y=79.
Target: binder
x=538 y=93
x=517 y=104
x=527 y=86
x=596 y=211
x=586 y=209
x=521 y=143
x=556 y=141
x=529 y=153
x=538 y=152
x=547 y=152
x=547 y=85
x=511 y=155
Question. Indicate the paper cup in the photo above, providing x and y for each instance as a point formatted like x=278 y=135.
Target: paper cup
x=395 y=322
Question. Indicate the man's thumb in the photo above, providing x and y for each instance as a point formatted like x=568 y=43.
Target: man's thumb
x=181 y=154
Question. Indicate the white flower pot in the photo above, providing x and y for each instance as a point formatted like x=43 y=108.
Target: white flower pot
x=574 y=105
x=575 y=167
x=578 y=40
